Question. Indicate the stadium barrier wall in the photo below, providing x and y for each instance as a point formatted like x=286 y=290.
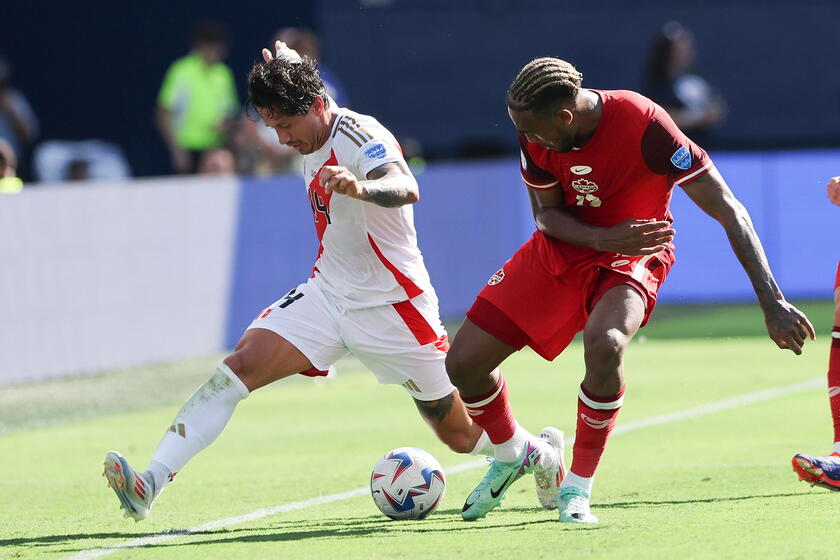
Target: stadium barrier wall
x=104 y=276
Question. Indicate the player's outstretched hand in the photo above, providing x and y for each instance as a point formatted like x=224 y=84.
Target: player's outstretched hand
x=834 y=190
x=788 y=326
x=339 y=180
x=280 y=50
x=636 y=237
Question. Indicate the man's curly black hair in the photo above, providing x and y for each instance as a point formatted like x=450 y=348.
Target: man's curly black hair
x=285 y=87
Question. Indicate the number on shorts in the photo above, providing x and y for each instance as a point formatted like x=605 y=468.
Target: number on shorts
x=289 y=299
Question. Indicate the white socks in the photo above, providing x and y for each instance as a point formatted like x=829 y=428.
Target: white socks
x=579 y=482
x=483 y=446
x=197 y=424
x=510 y=450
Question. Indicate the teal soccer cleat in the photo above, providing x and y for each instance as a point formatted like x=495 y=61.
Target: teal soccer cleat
x=573 y=504
x=491 y=490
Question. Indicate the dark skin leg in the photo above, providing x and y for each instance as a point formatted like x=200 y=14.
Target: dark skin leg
x=614 y=320
x=473 y=358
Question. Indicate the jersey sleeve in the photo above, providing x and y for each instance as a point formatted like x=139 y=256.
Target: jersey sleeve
x=668 y=151
x=534 y=176
x=363 y=145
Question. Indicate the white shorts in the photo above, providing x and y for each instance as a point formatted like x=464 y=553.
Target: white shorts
x=403 y=344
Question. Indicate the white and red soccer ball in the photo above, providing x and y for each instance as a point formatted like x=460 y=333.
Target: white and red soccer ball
x=407 y=483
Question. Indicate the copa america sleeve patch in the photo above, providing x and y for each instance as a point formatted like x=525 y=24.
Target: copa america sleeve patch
x=377 y=151
x=681 y=158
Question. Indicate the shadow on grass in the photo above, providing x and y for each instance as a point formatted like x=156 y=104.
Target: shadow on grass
x=355 y=528
x=55 y=539
x=329 y=528
x=641 y=503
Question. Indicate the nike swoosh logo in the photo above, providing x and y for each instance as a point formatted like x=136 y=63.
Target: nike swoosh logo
x=495 y=493
x=581 y=169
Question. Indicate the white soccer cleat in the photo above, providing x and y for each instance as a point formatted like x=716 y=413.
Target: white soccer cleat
x=551 y=470
x=135 y=491
x=573 y=504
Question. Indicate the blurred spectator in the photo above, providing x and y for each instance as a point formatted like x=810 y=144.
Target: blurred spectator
x=18 y=124
x=77 y=170
x=217 y=162
x=197 y=99
x=307 y=44
x=10 y=183
x=56 y=161
x=693 y=104
x=257 y=149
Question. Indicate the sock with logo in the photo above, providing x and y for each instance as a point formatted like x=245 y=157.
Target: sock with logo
x=492 y=412
x=596 y=418
x=834 y=384
x=197 y=424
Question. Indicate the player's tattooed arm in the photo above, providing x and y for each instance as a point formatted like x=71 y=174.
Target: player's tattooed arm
x=389 y=185
x=786 y=325
x=435 y=411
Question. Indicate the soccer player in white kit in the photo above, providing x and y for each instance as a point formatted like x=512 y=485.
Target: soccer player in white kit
x=369 y=292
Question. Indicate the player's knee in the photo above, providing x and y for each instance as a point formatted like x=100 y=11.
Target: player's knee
x=459 y=368
x=605 y=347
x=238 y=364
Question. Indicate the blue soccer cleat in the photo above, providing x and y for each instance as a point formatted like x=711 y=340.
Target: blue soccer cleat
x=134 y=490
x=818 y=471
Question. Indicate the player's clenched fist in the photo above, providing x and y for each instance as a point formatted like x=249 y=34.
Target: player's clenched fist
x=339 y=179
x=834 y=190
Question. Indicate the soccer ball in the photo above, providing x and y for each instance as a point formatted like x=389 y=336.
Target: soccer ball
x=407 y=483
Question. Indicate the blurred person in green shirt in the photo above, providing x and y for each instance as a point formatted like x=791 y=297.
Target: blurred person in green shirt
x=197 y=99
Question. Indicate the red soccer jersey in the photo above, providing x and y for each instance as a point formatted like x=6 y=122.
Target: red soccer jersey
x=626 y=171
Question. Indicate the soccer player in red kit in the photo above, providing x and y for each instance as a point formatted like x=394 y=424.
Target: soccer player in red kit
x=600 y=167
x=825 y=471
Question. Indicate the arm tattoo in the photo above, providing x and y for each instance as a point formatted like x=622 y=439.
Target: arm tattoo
x=390 y=185
x=435 y=411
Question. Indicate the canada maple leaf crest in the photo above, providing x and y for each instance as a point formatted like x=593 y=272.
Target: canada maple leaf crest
x=584 y=186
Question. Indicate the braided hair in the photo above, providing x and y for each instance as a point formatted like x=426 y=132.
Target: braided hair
x=541 y=83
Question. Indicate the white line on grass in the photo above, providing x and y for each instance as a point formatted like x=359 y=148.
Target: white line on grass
x=702 y=410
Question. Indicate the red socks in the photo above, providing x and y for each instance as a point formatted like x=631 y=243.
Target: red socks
x=834 y=380
x=492 y=412
x=596 y=418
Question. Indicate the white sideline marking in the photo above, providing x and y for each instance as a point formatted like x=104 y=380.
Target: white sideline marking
x=702 y=410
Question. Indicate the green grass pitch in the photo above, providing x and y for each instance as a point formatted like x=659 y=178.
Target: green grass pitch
x=715 y=485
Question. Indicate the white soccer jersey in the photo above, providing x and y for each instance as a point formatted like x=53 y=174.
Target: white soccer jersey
x=368 y=254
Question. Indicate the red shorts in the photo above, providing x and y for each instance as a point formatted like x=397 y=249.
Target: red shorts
x=837 y=277
x=524 y=303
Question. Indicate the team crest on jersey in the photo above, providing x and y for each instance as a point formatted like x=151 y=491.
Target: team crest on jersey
x=497 y=277
x=377 y=151
x=681 y=158
x=584 y=186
